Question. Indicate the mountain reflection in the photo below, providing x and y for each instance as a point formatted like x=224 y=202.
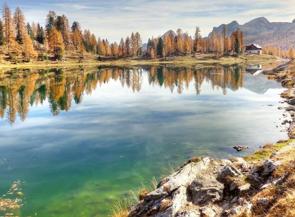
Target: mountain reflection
x=21 y=89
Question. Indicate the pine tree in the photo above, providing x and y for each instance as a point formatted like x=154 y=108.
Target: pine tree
x=40 y=36
x=50 y=22
x=160 y=48
x=30 y=31
x=62 y=25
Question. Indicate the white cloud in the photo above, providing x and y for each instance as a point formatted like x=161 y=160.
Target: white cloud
x=117 y=18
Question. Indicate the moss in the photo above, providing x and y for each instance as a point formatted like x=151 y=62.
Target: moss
x=267 y=151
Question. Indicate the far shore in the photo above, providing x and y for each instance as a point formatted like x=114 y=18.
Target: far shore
x=178 y=61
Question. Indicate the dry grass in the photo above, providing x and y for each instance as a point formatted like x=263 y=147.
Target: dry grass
x=203 y=59
x=285 y=206
x=278 y=199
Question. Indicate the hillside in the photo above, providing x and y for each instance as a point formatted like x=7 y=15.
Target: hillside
x=264 y=32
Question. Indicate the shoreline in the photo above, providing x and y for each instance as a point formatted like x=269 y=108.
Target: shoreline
x=185 y=60
x=259 y=184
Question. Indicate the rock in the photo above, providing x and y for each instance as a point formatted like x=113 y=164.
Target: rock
x=228 y=170
x=193 y=182
x=240 y=148
x=268 y=167
x=263 y=201
x=291 y=101
x=205 y=191
x=241 y=164
x=188 y=213
x=286 y=122
x=208 y=212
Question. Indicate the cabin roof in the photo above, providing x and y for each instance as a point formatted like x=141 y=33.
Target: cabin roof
x=253 y=47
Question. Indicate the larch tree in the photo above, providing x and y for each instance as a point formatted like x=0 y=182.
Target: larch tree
x=28 y=48
x=127 y=47
x=77 y=37
x=1 y=33
x=19 y=25
x=115 y=49
x=9 y=33
x=197 y=40
x=101 y=50
x=121 y=48
x=179 y=41
x=22 y=36
x=55 y=42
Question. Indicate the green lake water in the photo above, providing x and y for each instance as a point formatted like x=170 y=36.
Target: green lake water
x=79 y=140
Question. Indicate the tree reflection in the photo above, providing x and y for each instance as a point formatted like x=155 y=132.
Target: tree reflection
x=21 y=89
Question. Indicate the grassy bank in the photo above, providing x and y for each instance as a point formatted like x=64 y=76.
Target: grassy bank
x=185 y=60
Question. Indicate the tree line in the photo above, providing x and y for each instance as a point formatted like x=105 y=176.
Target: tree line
x=19 y=39
x=179 y=43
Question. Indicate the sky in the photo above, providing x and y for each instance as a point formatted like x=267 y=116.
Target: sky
x=114 y=19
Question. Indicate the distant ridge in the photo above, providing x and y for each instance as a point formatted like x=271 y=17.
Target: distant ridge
x=261 y=31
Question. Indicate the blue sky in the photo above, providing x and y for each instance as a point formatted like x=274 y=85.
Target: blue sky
x=116 y=18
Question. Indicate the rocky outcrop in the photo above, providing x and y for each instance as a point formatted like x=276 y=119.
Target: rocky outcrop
x=209 y=187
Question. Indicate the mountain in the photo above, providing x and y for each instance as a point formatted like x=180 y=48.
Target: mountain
x=262 y=31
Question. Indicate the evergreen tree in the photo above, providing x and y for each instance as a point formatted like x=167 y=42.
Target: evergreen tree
x=50 y=22
x=62 y=25
x=40 y=36
x=30 y=31
x=160 y=48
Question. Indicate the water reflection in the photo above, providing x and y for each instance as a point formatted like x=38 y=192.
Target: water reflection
x=21 y=89
x=125 y=127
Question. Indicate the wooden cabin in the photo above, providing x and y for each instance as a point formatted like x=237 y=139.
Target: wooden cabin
x=253 y=49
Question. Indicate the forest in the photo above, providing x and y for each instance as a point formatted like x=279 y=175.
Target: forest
x=60 y=40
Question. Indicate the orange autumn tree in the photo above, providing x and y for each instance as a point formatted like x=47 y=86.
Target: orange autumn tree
x=9 y=32
x=56 y=44
x=22 y=36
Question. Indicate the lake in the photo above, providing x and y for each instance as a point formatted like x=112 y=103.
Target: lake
x=75 y=141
